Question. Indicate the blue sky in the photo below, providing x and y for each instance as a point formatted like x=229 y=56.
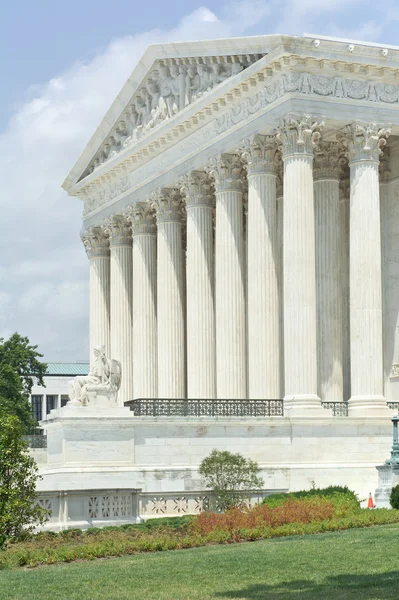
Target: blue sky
x=62 y=64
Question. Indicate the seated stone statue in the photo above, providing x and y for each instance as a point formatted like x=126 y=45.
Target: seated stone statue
x=100 y=387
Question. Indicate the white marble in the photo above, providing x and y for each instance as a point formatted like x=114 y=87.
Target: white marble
x=200 y=277
x=261 y=156
x=364 y=144
x=300 y=351
x=121 y=295
x=97 y=247
x=231 y=363
x=170 y=295
x=329 y=271
x=144 y=302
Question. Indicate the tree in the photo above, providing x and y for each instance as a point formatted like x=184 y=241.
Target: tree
x=18 y=476
x=230 y=477
x=19 y=367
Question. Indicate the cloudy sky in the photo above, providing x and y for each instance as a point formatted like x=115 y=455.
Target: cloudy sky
x=62 y=64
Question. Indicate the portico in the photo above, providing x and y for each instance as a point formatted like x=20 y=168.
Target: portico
x=219 y=239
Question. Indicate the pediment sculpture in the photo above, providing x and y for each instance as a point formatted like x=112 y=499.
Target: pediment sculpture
x=170 y=86
x=100 y=387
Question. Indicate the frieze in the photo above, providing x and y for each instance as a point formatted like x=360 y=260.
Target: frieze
x=308 y=84
x=99 y=193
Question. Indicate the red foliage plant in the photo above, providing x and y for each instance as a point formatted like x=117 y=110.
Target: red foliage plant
x=292 y=511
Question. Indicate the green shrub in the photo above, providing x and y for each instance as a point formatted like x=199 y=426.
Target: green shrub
x=344 y=499
x=231 y=477
x=174 y=522
x=394 y=497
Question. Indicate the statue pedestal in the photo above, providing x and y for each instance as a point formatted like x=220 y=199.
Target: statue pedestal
x=388 y=477
x=93 y=435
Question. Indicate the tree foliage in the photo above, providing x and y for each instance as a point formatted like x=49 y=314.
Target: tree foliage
x=19 y=367
x=18 y=477
x=230 y=477
x=394 y=497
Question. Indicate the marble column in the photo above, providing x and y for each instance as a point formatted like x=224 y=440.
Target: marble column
x=344 y=218
x=97 y=247
x=261 y=157
x=170 y=295
x=201 y=360
x=120 y=239
x=144 y=301
x=328 y=158
x=227 y=172
x=364 y=143
x=280 y=217
x=299 y=136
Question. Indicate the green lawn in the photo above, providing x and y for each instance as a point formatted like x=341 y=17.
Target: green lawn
x=355 y=564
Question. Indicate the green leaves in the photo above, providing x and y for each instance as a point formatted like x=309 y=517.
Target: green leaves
x=19 y=368
x=230 y=476
x=18 y=477
x=394 y=497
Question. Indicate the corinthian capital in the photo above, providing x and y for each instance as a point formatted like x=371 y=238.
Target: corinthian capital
x=227 y=172
x=142 y=218
x=260 y=154
x=168 y=205
x=299 y=135
x=119 y=231
x=197 y=188
x=329 y=160
x=364 y=141
x=96 y=242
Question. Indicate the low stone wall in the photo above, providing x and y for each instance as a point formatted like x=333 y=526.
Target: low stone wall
x=92 y=450
x=98 y=508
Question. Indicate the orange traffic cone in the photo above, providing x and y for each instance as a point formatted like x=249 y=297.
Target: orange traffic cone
x=370 y=502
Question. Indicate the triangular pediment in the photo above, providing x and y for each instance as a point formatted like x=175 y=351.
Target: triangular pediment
x=167 y=79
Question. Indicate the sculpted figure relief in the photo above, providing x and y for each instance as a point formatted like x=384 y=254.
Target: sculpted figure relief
x=170 y=88
x=100 y=387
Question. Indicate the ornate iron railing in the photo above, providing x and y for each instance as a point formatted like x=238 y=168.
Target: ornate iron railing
x=164 y=407
x=393 y=405
x=339 y=409
x=36 y=441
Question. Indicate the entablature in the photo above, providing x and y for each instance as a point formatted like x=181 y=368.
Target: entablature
x=331 y=86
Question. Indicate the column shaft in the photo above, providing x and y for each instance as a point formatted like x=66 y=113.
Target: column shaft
x=300 y=351
x=144 y=305
x=121 y=317
x=97 y=247
x=231 y=359
x=365 y=143
x=346 y=355
x=230 y=302
x=262 y=261
x=170 y=297
x=280 y=216
x=201 y=361
x=328 y=290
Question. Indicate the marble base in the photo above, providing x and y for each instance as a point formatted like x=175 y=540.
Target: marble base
x=305 y=406
x=388 y=477
x=363 y=406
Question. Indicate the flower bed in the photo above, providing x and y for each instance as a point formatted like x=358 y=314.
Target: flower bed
x=292 y=517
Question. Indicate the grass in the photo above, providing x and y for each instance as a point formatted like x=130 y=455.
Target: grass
x=361 y=564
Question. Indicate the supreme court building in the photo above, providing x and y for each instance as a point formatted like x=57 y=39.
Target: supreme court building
x=241 y=218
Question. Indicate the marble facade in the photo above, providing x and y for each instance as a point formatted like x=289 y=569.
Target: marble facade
x=196 y=277
x=240 y=214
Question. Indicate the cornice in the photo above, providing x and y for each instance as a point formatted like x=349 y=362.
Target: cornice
x=249 y=96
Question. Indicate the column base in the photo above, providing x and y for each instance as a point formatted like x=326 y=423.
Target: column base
x=305 y=405
x=368 y=406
